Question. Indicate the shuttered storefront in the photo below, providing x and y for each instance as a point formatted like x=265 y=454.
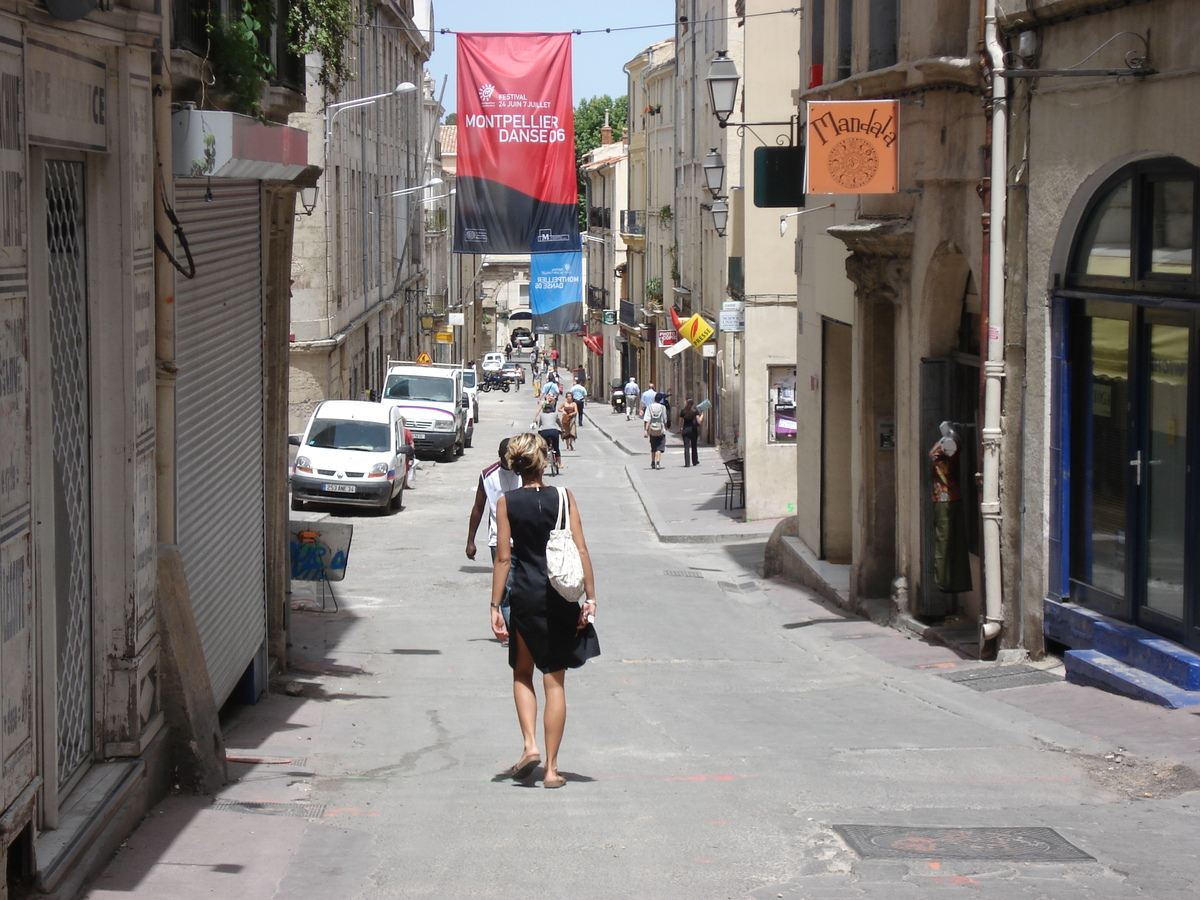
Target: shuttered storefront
x=219 y=422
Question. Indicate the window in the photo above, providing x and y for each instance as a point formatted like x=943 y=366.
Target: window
x=781 y=401
x=1139 y=234
x=885 y=33
x=845 y=54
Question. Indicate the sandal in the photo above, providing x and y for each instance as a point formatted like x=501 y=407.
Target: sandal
x=524 y=767
x=555 y=782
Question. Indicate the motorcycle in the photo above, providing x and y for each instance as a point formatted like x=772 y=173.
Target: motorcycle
x=493 y=381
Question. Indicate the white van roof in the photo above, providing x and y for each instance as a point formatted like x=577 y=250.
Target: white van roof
x=358 y=410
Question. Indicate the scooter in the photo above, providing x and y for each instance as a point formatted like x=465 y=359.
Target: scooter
x=618 y=400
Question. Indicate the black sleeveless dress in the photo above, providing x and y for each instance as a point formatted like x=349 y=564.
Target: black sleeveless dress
x=546 y=622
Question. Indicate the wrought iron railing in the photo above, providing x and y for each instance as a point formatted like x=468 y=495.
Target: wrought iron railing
x=633 y=221
x=597 y=298
x=626 y=314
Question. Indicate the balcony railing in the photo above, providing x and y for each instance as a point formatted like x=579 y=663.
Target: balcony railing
x=599 y=217
x=633 y=221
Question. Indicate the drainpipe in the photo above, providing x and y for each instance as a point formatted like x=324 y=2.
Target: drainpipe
x=164 y=289
x=993 y=366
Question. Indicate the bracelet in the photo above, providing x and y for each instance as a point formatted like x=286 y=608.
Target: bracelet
x=494 y=605
x=590 y=600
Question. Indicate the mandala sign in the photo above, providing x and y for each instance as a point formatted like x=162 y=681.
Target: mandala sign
x=853 y=162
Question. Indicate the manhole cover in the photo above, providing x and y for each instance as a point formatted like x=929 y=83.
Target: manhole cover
x=682 y=573
x=999 y=678
x=297 y=810
x=908 y=842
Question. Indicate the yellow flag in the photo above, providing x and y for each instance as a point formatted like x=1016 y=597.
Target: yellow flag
x=696 y=331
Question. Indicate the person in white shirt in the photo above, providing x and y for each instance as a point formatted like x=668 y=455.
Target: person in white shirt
x=494 y=481
x=646 y=399
x=631 y=396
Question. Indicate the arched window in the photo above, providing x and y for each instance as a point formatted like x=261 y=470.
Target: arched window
x=1139 y=233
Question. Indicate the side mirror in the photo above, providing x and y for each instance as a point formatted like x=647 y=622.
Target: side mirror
x=465 y=402
x=293 y=440
x=404 y=450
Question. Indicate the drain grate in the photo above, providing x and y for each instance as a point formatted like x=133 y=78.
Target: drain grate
x=296 y=810
x=682 y=573
x=1000 y=678
x=909 y=842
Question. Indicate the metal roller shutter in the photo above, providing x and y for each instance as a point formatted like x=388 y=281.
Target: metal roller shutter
x=219 y=422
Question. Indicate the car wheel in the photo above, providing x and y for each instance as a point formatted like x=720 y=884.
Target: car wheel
x=467 y=442
x=449 y=454
x=398 y=501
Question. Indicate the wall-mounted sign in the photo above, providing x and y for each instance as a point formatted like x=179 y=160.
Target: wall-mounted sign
x=852 y=147
x=610 y=317
x=445 y=337
x=457 y=318
x=66 y=97
x=667 y=338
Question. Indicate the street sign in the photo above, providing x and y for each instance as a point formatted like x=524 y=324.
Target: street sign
x=445 y=337
x=732 y=320
x=696 y=331
x=457 y=318
x=423 y=359
x=610 y=317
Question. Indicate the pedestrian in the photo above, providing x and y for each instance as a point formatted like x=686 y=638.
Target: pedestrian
x=550 y=388
x=494 y=481
x=646 y=399
x=690 y=420
x=508 y=350
x=548 y=424
x=546 y=632
x=579 y=393
x=631 y=396
x=554 y=358
x=654 y=427
x=568 y=414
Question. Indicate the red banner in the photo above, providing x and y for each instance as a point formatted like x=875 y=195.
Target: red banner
x=516 y=145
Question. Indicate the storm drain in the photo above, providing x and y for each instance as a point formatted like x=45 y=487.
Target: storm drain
x=682 y=573
x=908 y=842
x=1001 y=678
x=295 y=810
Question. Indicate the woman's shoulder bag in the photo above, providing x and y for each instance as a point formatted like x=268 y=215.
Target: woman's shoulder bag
x=563 y=565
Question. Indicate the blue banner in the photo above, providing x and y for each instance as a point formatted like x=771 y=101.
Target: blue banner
x=556 y=292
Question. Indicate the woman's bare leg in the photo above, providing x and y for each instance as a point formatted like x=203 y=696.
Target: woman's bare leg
x=554 y=719
x=524 y=696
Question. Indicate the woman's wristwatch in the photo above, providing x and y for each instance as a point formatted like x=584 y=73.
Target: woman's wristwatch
x=494 y=605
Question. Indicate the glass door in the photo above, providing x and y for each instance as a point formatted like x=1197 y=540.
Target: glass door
x=1160 y=464
x=1132 y=479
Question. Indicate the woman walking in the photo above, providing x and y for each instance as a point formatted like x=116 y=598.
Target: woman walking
x=690 y=420
x=545 y=631
x=568 y=413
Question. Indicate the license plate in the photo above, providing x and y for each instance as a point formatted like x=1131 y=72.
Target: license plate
x=340 y=488
x=418 y=435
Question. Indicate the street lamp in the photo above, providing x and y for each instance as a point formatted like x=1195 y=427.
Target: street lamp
x=720 y=215
x=332 y=109
x=308 y=199
x=722 y=81
x=714 y=171
x=432 y=182
x=783 y=219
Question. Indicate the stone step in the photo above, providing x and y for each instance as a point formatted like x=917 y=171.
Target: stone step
x=1084 y=629
x=1096 y=669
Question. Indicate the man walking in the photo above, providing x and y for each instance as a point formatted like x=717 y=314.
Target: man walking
x=631 y=396
x=579 y=394
x=493 y=482
x=654 y=427
x=646 y=399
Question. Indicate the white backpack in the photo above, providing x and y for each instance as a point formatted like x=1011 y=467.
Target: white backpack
x=657 y=422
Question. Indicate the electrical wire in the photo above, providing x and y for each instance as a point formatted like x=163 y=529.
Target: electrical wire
x=792 y=11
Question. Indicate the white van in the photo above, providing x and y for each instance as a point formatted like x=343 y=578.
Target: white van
x=492 y=362
x=354 y=452
x=433 y=403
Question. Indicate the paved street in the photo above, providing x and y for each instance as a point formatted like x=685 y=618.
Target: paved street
x=730 y=724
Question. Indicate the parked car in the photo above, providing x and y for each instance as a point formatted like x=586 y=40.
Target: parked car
x=432 y=401
x=522 y=339
x=492 y=362
x=471 y=389
x=512 y=371
x=352 y=452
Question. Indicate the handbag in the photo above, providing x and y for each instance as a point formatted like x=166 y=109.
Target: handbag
x=563 y=566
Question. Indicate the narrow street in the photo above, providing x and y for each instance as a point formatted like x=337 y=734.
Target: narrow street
x=730 y=724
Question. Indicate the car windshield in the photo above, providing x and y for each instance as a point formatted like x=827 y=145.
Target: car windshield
x=419 y=387
x=347 y=434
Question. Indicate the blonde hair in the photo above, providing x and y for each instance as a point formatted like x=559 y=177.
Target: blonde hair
x=527 y=454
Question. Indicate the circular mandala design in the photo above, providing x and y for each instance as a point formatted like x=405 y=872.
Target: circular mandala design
x=853 y=162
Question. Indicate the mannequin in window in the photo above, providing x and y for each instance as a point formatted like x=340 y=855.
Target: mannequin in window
x=951 y=563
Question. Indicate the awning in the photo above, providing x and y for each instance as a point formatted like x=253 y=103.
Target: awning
x=594 y=342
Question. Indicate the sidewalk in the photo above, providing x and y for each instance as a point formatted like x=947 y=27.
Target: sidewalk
x=685 y=504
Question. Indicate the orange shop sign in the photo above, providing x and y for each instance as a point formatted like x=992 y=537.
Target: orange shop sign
x=852 y=147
